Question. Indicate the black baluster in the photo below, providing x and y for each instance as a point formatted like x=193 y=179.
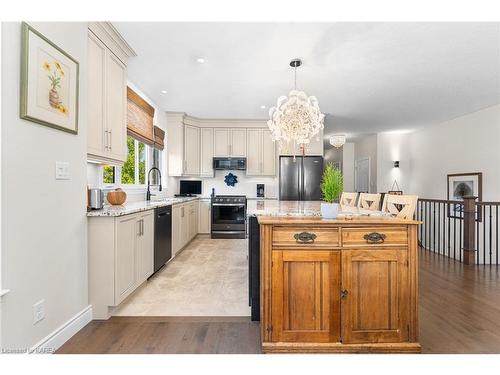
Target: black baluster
x=490 y=237
x=454 y=232
x=460 y=233
x=496 y=235
x=449 y=239
x=439 y=228
x=434 y=226
x=483 y=218
x=478 y=235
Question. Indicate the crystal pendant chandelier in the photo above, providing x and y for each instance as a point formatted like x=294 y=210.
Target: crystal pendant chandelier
x=337 y=140
x=296 y=118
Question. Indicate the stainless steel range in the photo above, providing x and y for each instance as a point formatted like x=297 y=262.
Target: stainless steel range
x=229 y=216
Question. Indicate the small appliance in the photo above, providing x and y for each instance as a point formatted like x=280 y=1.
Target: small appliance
x=232 y=164
x=260 y=190
x=96 y=199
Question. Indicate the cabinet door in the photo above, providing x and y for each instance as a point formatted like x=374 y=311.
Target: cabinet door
x=238 y=142
x=221 y=142
x=184 y=225
x=204 y=216
x=306 y=296
x=268 y=166
x=145 y=247
x=191 y=150
x=126 y=232
x=206 y=152
x=254 y=155
x=375 y=304
x=116 y=113
x=96 y=85
x=176 y=229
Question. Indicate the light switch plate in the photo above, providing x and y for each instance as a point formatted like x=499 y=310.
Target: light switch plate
x=62 y=170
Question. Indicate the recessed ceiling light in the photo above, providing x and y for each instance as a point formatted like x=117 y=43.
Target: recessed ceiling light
x=163 y=91
x=201 y=60
x=262 y=107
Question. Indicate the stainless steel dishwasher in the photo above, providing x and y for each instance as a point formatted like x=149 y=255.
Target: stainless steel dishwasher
x=163 y=236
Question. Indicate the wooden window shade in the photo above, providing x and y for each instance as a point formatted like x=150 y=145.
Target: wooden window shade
x=159 y=137
x=139 y=118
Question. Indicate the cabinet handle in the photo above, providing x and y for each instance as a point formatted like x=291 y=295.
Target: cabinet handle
x=374 y=237
x=110 y=140
x=344 y=293
x=139 y=228
x=304 y=237
x=105 y=140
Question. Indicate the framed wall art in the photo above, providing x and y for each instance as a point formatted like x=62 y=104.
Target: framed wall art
x=461 y=185
x=49 y=83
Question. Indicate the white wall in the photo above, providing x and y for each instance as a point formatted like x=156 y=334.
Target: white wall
x=366 y=147
x=393 y=146
x=44 y=239
x=348 y=166
x=466 y=144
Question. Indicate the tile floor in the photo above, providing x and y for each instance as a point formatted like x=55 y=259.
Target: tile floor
x=208 y=278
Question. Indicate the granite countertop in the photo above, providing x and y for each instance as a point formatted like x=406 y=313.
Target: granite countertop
x=133 y=207
x=302 y=208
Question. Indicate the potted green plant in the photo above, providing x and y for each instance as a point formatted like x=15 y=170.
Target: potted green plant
x=331 y=187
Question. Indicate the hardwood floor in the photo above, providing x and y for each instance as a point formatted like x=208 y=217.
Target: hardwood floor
x=459 y=313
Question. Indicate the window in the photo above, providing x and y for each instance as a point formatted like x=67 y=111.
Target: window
x=108 y=175
x=140 y=158
x=134 y=169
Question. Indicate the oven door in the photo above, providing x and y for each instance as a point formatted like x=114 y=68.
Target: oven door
x=228 y=217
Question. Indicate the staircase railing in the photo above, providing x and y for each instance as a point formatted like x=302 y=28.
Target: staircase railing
x=467 y=230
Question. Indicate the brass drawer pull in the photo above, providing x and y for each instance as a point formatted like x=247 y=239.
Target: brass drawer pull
x=374 y=237
x=304 y=237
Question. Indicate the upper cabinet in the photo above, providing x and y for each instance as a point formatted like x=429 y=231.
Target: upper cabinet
x=261 y=157
x=206 y=152
x=230 y=142
x=193 y=143
x=107 y=100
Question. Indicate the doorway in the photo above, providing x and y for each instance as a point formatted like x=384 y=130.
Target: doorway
x=362 y=175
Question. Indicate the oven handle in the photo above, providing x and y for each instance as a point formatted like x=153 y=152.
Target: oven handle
x=228 y=231
x=229 y=204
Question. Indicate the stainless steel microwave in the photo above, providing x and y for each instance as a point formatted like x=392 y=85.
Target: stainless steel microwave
x=239 y=164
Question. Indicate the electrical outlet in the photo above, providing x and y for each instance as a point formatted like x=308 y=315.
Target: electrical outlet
x=38 y=311
x=62 y=170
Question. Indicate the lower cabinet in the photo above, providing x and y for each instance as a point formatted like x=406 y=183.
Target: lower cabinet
x=184 y=224
x=205 y=216
x=305 y=298
x=120 y=258
x=376 y=293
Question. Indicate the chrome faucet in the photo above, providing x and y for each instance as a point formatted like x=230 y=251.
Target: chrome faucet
x=148 y=193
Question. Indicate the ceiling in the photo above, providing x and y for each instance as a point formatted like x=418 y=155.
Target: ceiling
x=368 y=77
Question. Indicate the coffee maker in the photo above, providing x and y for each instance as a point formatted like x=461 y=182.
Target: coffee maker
x=260 y=190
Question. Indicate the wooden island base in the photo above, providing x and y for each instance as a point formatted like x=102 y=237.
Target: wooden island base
x=339 y=286
x=307 y=347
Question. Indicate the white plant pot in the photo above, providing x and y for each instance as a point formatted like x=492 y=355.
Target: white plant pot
x=329 y=210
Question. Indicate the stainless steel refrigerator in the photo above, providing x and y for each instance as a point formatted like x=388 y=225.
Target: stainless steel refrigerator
x=300 y=178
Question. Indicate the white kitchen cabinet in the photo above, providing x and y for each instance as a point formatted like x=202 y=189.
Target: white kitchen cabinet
x=193 y=219
x=127 y=230
x=261 y=157
x=206 y=152
x=107 y=99
x=238 y=144
x=191 y=150
x=205 y=217
x=176 y=229
x=221 y=142
x=120 y=258
x=230 y=142
x=145 y=244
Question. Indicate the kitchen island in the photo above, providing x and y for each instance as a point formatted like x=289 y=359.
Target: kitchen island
x=343 y=285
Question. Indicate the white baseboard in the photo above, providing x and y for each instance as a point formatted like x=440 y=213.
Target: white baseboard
x=58 y=337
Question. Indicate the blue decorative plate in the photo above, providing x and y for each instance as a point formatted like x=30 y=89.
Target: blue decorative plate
x=231 y=179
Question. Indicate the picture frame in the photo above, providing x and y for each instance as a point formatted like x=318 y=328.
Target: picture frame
x=460 y=185
x=49 y=82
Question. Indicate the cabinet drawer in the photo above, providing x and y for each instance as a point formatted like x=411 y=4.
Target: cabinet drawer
x=374 y=236
x=303 y=236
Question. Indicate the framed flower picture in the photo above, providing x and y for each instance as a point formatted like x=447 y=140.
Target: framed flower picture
x=49 y=83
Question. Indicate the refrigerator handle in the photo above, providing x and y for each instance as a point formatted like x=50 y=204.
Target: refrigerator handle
x=301 y=179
